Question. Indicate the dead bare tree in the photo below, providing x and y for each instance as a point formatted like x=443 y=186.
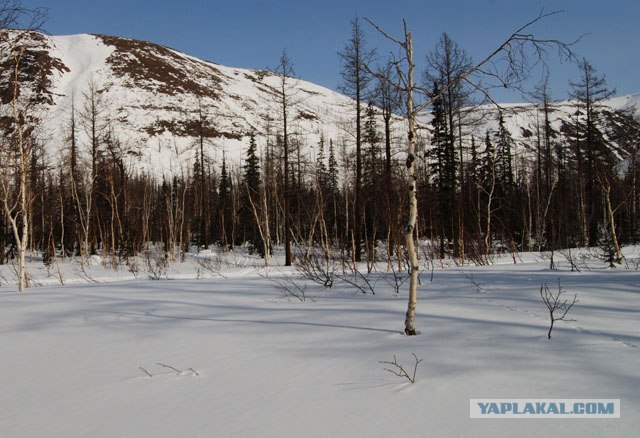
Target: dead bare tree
x=509 y=65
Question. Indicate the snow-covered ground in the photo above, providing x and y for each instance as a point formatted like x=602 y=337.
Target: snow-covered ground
x=96 y=357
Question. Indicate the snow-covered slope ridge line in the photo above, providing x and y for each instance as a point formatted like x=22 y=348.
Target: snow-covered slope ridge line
x=159 y=102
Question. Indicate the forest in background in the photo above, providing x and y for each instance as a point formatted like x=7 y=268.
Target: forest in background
x=476 y=194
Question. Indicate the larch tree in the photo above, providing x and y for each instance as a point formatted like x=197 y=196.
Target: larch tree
x=204 y=132
x=441 y=157
x=445 y=63
x=546 y=179
x=588 y=92
x=388 y=99
x=356 y=78
x=94 y=123
x=285 y=99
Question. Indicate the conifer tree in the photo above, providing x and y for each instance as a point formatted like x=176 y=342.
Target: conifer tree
x=504 y=157
x=356 y=78
x=333 y=169
x=322 y=173
x=443 y=169
x=592 y=153
x=251 y=167
x=372 y=176
x=226 y=207
x=251 y=195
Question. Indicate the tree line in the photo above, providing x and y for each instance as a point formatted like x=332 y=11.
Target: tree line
x=577 y=185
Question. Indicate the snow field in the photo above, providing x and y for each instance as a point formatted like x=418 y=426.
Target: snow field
x=254 y=362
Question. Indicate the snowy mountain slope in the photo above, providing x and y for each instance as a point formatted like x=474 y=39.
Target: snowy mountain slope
x=525 y=123
x=630 y=102
x=157 y=103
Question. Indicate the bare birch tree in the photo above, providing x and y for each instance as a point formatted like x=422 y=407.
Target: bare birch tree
x=509 y=64
x=18 y=139
x=15 y=157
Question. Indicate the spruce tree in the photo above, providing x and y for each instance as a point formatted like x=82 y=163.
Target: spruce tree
x=251 y=196
x=504 y=144
x=251 y=167
x=333 y=169
x=322 y=173
x=225 y=202
x=443 y=169
x=372 y=176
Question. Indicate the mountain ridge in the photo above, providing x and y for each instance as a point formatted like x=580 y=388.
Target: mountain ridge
x=159 y=102
x=153 y=96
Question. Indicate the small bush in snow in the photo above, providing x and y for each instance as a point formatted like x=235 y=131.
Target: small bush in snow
x=155 y=262
x=557 y=305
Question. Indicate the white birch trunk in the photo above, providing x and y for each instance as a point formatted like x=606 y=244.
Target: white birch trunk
x=410 y=230
x=20 y=231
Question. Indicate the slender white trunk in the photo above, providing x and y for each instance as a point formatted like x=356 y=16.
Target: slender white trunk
x=606 y=188
x=410 y=230
x=487 y=233
x=20 y=209
x=262 y=223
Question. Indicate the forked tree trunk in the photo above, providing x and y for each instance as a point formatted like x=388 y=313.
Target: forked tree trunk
x=606 y=189
x=17 y=212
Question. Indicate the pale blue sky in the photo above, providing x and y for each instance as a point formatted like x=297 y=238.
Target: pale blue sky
x=253 y=33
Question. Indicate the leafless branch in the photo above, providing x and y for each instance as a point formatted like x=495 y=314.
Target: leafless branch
x=509 y=64
x=290 y=287
x=519 y=53
x=398 y=279
x=386 y=35
x=13 y=14
x=399 y=370
x=211 y=264
x=317 y=266
x=357 y=279
x=169 y=366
